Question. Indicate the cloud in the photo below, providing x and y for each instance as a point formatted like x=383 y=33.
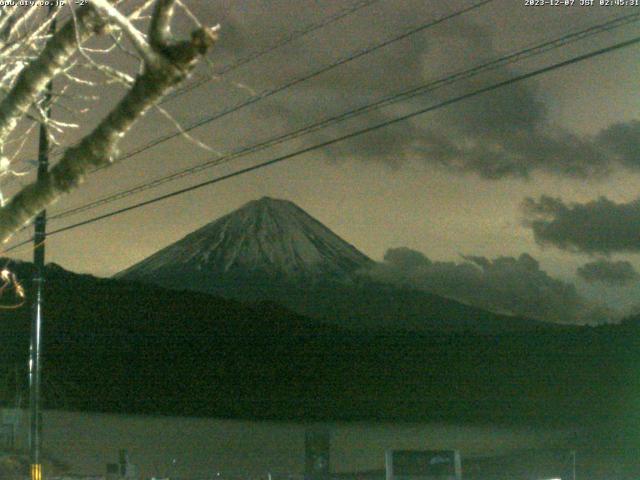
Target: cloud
x=505 y=284
x=608 y=272
x=502 y=134
x=600 y=226
x=623 y=141
x=508 y=133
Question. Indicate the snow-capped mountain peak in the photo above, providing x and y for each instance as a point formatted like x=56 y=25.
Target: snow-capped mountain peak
x=266 y=238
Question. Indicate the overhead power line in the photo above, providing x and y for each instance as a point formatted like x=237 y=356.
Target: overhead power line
x=342 y=61
x=387 y=100
x=291 y=83
x=318 y=146
x=286 y=40
x=282 y=42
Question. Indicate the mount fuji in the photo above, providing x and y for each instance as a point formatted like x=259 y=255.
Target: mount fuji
x=272 y=250
x=265 y=241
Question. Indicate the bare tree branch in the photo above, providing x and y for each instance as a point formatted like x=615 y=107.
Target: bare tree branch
x=33 y=79
x=16 y=25
x=160 y=29
x=137 y=38
x=171 y=64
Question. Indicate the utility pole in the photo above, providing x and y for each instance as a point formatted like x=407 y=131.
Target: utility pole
x=35 y=350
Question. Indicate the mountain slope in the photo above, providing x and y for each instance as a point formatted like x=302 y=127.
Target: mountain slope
x=117 y=346
x=272 y=250
x=266 y=239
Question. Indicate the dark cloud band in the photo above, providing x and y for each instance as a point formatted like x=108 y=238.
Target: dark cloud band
x=600 y=226
x=608 y=272
x=503 y=134
x=505 y=285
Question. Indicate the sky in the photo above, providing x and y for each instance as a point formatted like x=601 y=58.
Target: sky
x=523 y=199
